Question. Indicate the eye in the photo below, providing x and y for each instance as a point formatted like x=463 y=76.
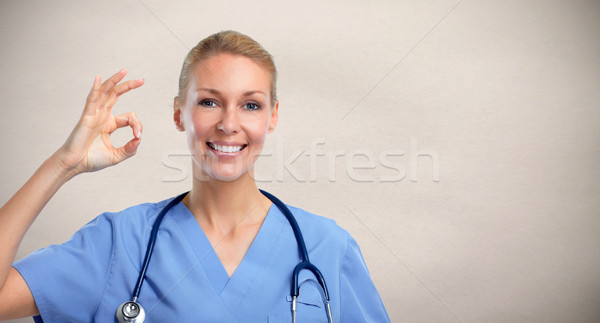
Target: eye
x=207 y=103
x=252 y=106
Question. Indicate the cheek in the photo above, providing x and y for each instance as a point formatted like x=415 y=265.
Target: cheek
x=257 y=132
x=197 y=126
x=200 y=129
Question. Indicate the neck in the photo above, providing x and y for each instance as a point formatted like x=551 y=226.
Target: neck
x=223 y=205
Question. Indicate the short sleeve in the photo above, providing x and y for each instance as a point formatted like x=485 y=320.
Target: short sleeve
x=360 y=301
x=67 y=280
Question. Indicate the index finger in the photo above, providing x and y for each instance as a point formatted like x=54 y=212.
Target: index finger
x=128 y=86
x=113 y=81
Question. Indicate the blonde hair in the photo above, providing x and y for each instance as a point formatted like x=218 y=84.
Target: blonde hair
x=231 y=42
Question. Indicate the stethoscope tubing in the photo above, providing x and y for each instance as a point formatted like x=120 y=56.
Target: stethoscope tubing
x=305 y=264
x=151 y=242
x=295 y=288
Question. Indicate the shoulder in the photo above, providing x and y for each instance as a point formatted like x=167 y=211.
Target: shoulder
x=140 y=214
x=321 y=230
x=133 y=222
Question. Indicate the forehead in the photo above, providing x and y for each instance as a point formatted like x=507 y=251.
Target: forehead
x=230 y=73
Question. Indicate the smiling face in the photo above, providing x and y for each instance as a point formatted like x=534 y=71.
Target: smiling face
x=226 y=114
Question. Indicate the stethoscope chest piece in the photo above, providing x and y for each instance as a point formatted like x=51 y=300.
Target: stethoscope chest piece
x=130 y=312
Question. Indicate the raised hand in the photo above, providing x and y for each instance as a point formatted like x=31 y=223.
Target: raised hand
x=89 y=147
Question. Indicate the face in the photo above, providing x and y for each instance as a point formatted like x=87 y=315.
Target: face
x=226 y=115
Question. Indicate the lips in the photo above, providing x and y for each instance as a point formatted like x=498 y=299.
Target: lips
x=226 y=148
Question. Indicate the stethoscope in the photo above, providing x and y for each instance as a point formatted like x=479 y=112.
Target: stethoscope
x=133 y=312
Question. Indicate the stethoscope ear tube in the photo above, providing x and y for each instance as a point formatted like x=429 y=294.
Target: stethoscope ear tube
x=296 y=288
x=305 y=263
x=309 y=266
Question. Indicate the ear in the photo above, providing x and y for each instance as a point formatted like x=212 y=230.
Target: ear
x=177 y=114
x=274 y=115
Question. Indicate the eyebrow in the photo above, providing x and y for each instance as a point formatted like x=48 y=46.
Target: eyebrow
x=214 y=91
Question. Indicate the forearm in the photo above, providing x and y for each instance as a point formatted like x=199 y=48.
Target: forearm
x=22 y=209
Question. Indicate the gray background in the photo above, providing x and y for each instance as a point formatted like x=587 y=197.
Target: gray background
x=501 y=96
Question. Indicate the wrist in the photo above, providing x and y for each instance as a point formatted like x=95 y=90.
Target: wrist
x=60 y=168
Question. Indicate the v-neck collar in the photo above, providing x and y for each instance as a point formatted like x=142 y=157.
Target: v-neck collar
x=231 y=289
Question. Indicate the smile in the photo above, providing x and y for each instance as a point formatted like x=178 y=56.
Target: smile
x=226 y=149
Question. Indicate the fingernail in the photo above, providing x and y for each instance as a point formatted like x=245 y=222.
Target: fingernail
x=139 y=135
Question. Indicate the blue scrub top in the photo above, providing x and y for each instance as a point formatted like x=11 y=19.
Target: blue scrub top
x=86 y=278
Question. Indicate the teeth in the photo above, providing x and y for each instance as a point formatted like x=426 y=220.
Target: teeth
x=226 y=149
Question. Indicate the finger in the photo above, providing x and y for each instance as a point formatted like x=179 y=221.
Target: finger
x=96 y=84
x=130 y=119
x=93 y=96
x=113 y=81
x=128 y=86
x=112 y=98
x=128 y=150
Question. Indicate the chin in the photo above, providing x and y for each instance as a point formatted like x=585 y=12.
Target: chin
x=225 y=177
x=223 y=174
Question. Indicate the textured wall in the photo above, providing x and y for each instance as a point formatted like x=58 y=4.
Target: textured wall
x=456 y=140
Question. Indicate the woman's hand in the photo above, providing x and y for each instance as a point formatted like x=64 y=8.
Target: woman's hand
x=89 y=148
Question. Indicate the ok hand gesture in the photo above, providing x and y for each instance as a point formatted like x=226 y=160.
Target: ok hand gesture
x=89 y=147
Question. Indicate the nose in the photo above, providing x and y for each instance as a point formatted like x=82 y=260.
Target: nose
x=229 y=123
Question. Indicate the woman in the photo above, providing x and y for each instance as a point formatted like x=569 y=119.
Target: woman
x=224 y=253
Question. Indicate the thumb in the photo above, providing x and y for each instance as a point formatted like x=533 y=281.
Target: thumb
x=128 y=150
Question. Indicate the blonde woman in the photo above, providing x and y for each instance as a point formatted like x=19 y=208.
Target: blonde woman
x=222 y=252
